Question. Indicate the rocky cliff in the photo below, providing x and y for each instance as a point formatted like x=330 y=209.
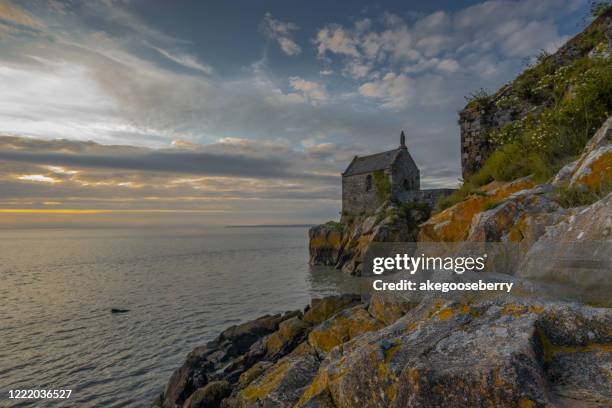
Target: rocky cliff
x=390 y=350
x=343 y=245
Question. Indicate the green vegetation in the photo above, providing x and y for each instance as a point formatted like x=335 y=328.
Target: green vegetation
x=405 y=211
x=579 y=99
x=382 y=184
x=561 y=100
x=466 y=189
x=479 y=100
x=335 y=225
x=599 y=8
x=575 y=197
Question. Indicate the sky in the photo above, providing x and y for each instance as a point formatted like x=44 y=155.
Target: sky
x=134 y=112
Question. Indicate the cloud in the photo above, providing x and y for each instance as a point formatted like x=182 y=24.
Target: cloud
x=314 y=92
x=282 y=33
x=149 y=160
x=488 y=39
x=15 y=15
x=394 y=91
x=185 y=60
x=241 y=178
x=38 y=178
x=337 y=40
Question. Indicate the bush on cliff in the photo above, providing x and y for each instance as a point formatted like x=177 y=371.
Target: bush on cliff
x=541 y=143
x=579 y=99
x=584 y=195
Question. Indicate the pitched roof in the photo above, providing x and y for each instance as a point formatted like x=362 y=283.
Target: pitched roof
x=367 y=164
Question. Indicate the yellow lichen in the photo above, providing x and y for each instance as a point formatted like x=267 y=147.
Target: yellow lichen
x=513 y=309
x=526 y=403
x=251 y=374
x=341 y=329
x=449 y=312
x=414 y=374
x=391 y=351
x=391 y=391
x=549 y=349
x=446 y=313
x=600 y=171
x=269 y=381
x=453 y=223
x=286 y=332
x=316 y=387
x=333 y=240
x=536 y=309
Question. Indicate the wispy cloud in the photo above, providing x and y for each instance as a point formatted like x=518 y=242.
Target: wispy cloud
x=282 y=32
x=185 y=60
x=15 y=15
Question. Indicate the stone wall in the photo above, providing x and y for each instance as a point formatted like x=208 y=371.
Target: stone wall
x=475 y=122
x=430 y=196
x=404 y=169
x=357 y=199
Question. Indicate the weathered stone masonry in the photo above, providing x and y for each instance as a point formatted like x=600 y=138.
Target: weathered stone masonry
x=392 y=175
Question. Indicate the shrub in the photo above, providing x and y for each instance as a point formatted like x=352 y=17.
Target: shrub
x=541 y=143
x=582 y=195
x=599 y=8
x=335 y=225
x=480 y=100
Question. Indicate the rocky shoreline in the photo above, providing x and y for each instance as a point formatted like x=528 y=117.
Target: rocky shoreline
x=389 y=351
x=521 y=350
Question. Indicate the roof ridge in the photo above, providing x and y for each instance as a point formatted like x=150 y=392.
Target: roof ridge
x=376 y=154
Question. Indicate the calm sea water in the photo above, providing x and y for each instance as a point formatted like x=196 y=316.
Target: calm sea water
x=182 y=288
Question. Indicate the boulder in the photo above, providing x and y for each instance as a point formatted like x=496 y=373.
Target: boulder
x=453 y=224
x=325 y=243
x=522 y=217
x=282 y=384
x=593 y=168
x=459 y=355
x=584 y=236
x=209 y=396
x=322 y=309
x=341 y=328
x=220 y=359
x=290 y=333
x=387 y=307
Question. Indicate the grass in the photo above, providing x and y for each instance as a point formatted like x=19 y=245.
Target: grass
x=576 y=197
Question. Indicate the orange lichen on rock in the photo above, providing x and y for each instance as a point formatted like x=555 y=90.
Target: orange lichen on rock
x=341 y=328
x=596 y=170
x=453 y=224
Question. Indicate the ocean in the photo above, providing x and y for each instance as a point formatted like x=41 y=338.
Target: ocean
x=182 y=287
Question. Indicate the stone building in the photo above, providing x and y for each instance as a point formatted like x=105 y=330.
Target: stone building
x=370 y=180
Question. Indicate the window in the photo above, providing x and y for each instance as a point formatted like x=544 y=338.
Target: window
x=406 y=184
x=368 y=182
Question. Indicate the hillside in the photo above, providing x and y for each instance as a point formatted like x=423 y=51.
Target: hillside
x=541 y=120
